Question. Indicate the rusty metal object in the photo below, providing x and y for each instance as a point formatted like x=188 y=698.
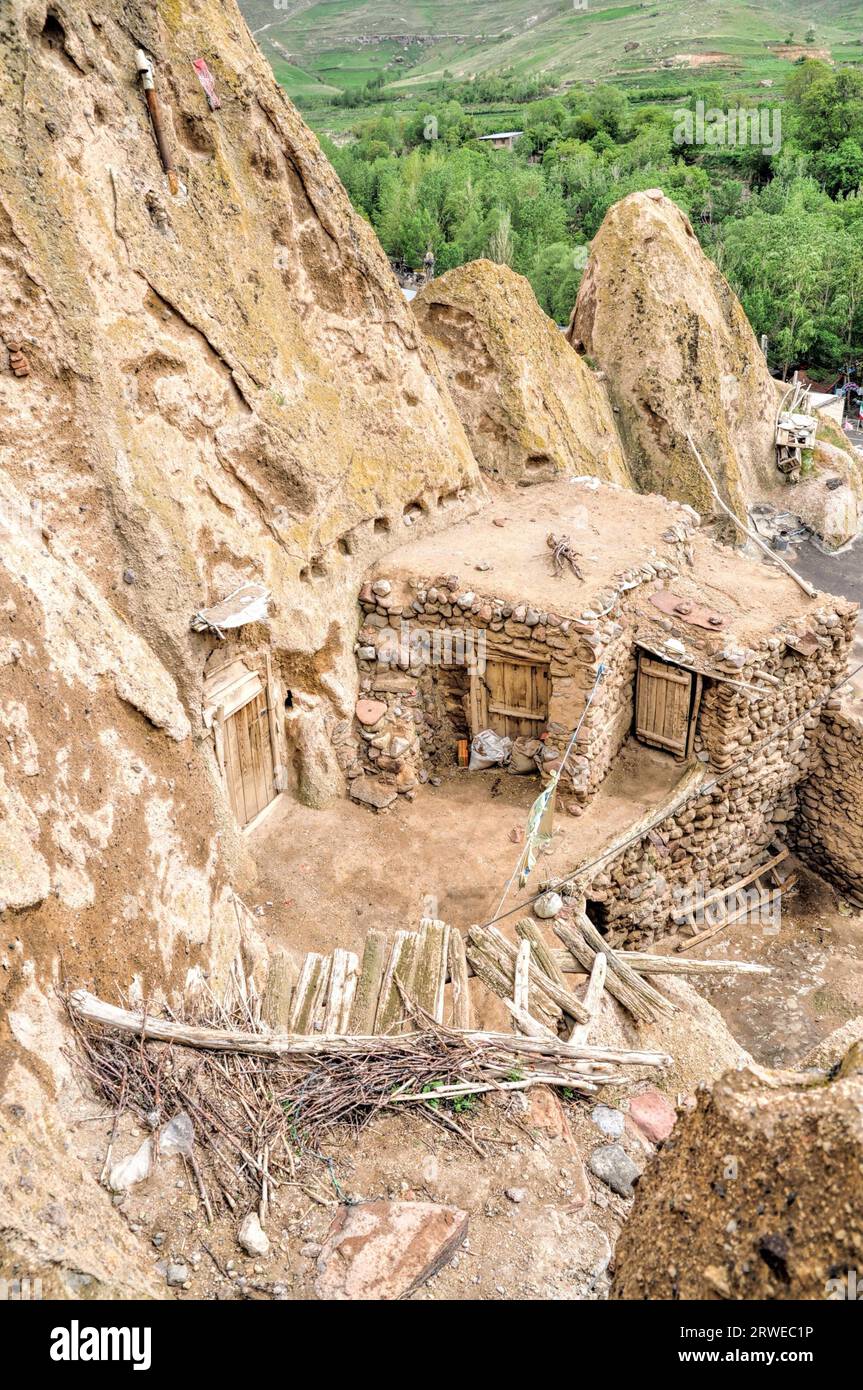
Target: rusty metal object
x=148 y=82
x=687 y=611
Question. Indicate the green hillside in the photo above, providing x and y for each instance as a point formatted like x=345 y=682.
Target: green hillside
x=320 y=46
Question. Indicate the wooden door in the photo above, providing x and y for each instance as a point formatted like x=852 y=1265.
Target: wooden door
x=510 y=697
x=664 y=705
x=249 y=759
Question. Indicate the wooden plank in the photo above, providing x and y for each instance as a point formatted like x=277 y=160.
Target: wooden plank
x=521 y=980
x=234 y=770
x=279 y=778
x=340 y=991
x=247 y=769
x=477 y=696
x=321 y=996
x=592 y=998
x=276 y=1003
x=528 y=930
x=219 y=741
x=429 y=974
x=365 y=1005
x=391 y=1013
x=256 y=713
x=663 y=702
x=306 y=994
x=461 y=1005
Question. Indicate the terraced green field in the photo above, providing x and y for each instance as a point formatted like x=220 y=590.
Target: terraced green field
x=318 y=47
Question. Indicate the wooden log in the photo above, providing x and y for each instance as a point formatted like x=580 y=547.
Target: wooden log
x=90 y=1009
x=521 y=983
x=364 y=1008
x=539 y=981
x=461 y=1006
x=592 y=997
x=620 y=988
x=482 y=945
x=543 y=955
x=650 y=997
x=643 y=963
x=489 y=973
x=428 y=979
x=340 y=991
x=306 y=995
x=276 y=1003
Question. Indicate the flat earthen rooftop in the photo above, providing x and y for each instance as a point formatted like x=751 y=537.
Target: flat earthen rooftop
x=502 y=551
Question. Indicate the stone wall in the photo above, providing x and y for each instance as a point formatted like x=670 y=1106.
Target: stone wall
x=828 y=830
x=413 y=652
x=720 y=834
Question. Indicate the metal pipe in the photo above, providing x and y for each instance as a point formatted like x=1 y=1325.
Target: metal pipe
x=148 y=82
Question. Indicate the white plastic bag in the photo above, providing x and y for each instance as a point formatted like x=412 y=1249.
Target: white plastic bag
x=489 y=750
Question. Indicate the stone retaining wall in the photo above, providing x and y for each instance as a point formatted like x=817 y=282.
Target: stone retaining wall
x=828 y=830
x=721 y=834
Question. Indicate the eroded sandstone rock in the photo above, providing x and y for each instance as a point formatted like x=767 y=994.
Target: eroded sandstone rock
x=756 y=1194
x=532 y=409
x=386 y=1250
x=679 y=353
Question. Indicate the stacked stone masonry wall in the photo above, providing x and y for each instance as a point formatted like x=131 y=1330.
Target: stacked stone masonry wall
x=828 y=830
x=719 y=835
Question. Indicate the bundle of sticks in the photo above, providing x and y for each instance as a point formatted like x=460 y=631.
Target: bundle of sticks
x=563 y=554
x=257 y=1099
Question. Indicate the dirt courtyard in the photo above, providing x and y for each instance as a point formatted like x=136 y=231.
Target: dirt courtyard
x=327 y=877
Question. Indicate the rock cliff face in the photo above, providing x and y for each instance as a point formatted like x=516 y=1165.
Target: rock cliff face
x=224 y=385
x=197 y=388
x=757 y=1194
x=679 y=353
x=531 y=407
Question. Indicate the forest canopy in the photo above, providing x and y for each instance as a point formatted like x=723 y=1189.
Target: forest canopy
x=783 y=219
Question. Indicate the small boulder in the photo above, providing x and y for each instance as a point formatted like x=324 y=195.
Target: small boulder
x=613 y=1166
x=368 y=712
x=653 y=1114
x=609 y=1121
x=370 y=792
x=252 y=1237
x=386 y=1250
x=548 y=905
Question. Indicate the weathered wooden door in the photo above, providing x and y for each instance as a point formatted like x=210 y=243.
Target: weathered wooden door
x=510 y=697
x=665 y=706
x=249 y=759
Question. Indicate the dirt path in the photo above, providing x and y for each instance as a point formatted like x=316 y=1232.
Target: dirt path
x=327 y=877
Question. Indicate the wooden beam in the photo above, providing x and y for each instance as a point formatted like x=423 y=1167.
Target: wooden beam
x=592 y=998
x=461 y=1005
x=362 y=1019
x=90 y=1009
